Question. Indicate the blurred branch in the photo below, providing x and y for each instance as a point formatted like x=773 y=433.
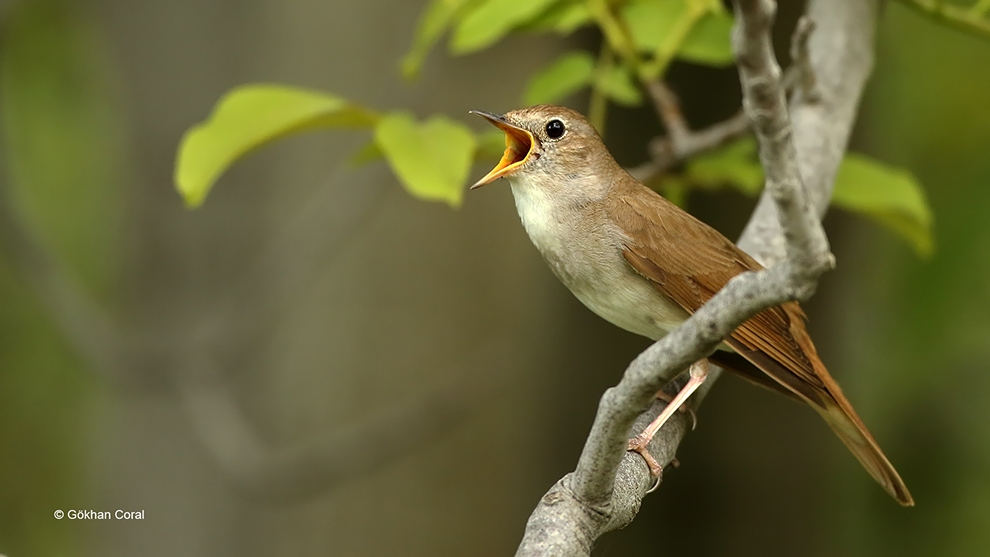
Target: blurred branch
x=86 y=326
x=972 y=20
x=306 y=469
x=274 y=473
x=606 y=489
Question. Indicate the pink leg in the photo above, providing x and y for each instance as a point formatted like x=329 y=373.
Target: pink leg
x=699 y=370
x=661 y=395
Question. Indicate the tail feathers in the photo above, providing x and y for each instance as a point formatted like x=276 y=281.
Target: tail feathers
x=850 y=429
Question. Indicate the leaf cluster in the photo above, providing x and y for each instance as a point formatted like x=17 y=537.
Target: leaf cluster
x=432 y=158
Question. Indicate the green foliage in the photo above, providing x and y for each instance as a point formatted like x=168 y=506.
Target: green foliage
x=63 y=135
x=651 y=21
x=568 y=74
x=247 y=118
x=62 y=181
x=972 y=19
x=617 y=84
x=735 y=164
x=437 y=16
x=708 y=42
x=491 y=20
x=694 y=30
x=562 y=17
x=432 y=159
x=888 y=195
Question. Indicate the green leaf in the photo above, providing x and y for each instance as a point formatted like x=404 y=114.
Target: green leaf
x=431 y=159
x=889 y=195
x=735 y=164
x=491 y=20
x=568 y=74
x=249 y=117
x=437 y=16
x=563 y=17
x=709 y=42
x=650 y=21
x=617 y=83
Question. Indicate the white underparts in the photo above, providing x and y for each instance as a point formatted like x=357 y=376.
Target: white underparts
x=593 y=268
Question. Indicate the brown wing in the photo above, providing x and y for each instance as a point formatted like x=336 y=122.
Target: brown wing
x=689 y=261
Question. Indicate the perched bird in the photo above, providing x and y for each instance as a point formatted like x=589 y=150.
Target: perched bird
x=645 y=265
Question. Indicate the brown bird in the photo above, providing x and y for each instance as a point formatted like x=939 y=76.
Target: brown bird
x=645 y=265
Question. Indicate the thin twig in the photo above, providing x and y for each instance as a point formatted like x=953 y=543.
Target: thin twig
x=681 y=143
x=668 y=107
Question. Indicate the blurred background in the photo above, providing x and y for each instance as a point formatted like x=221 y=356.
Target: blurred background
x=195 y=364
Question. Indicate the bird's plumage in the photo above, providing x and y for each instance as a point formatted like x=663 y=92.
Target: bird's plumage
x=645 y=265
x=774 y=341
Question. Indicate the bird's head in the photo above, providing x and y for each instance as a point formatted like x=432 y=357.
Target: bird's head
x=546 y=142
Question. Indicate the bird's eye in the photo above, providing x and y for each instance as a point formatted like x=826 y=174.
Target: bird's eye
x=555 y=129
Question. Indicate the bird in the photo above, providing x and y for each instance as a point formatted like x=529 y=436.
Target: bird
x=645 y=265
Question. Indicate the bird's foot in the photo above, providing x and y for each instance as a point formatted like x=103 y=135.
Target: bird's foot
x=639 y=445
x=699 y=370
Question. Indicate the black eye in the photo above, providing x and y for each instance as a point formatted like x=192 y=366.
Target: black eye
x=555 y=129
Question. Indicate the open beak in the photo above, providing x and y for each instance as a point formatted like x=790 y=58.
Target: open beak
x=519 y=145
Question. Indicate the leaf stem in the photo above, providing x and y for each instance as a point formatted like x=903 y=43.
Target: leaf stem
x=616 y=35
x=598 y=105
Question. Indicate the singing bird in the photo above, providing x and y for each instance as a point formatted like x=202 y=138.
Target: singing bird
x=643 y=264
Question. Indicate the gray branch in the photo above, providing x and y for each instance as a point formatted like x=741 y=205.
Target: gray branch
x=800 y=155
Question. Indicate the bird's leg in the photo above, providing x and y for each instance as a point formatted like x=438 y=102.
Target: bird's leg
x=662 y=395
x=698 y=372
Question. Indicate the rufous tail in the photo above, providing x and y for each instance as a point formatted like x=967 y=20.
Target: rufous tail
x=841 y=417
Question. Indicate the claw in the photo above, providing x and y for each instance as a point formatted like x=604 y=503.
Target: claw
x=639 y=444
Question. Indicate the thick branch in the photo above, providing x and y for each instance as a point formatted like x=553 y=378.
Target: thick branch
x=607 y=487
x=840 y=53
